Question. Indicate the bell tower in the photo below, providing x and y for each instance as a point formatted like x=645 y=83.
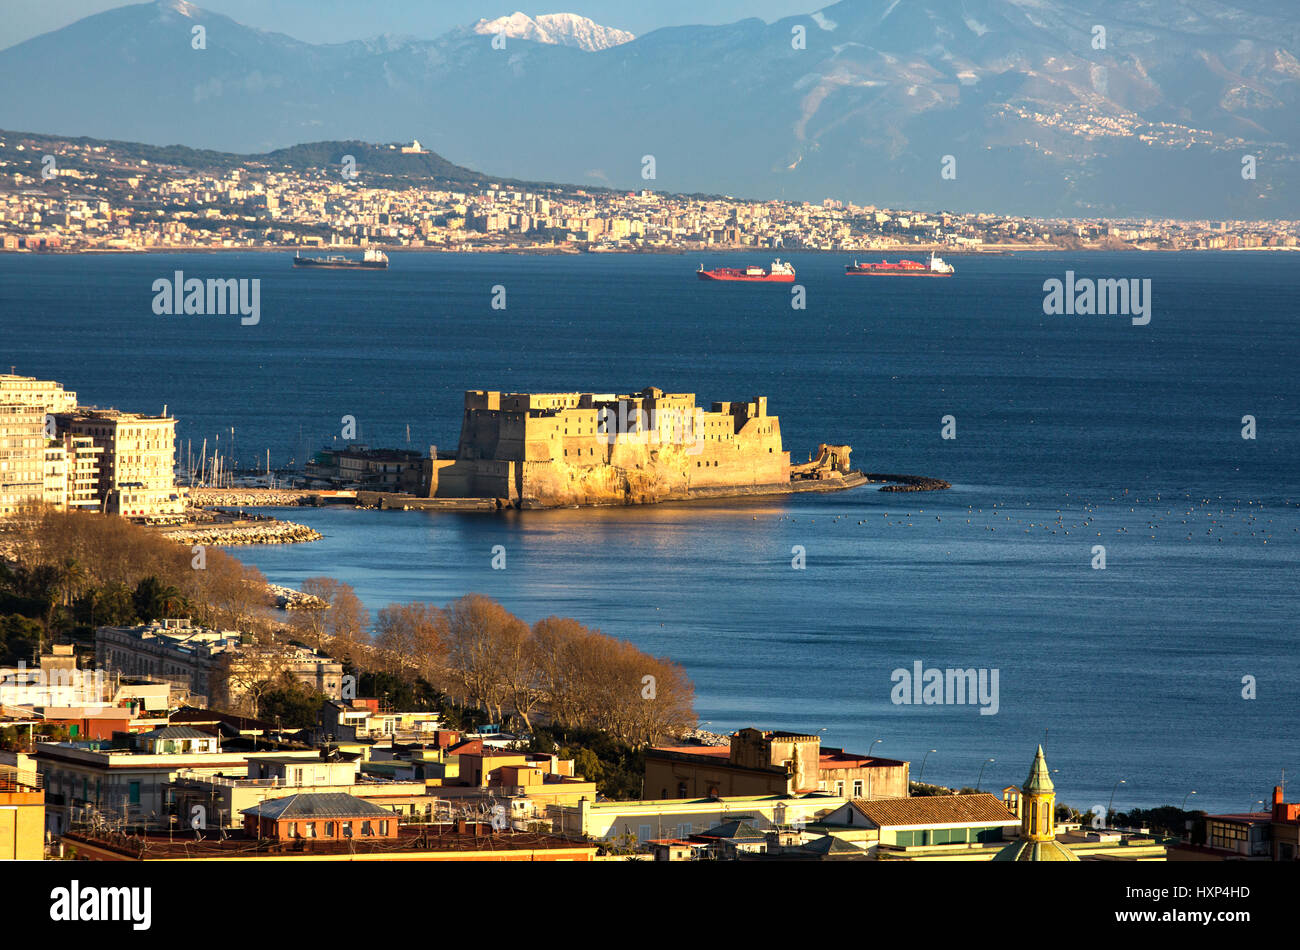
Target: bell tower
x=1038 y=807
x=1037 y=840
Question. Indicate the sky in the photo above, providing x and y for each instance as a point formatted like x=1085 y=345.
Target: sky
x=336 y=21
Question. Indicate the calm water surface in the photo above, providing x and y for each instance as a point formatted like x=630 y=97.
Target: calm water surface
x=1071 y=432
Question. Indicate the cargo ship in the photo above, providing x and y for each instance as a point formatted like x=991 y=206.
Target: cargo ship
x=371 y=260
x=781 y=272
x=935 y=267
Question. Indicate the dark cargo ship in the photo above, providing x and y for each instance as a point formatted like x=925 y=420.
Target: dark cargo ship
x=371 y=260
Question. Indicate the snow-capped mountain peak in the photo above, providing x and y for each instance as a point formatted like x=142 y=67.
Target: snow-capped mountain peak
x=559 y=29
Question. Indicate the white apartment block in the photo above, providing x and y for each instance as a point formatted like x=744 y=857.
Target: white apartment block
x=29 y=391
x=22 y=456
x=54 y=453
x=136 y=469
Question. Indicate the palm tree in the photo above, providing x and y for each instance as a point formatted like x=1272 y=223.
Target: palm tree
x=155 y=600
x=75 y=578
x=43 y=584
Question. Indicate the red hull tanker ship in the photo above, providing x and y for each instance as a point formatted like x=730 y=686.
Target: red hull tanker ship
x=935 y=267
x=781 y=272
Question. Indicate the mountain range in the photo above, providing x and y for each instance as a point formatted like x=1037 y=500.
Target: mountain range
x=1087 y=108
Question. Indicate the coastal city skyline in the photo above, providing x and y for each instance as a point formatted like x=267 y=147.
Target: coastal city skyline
x=74 y=195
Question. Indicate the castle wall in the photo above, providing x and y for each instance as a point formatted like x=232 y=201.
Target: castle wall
x=557 y=448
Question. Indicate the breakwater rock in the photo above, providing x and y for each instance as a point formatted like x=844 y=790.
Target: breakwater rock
x=907 y=482
x=246 y=497
x=228 y=534
x=286 y=598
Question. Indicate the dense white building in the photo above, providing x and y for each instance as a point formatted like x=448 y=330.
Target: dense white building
x=54 y=453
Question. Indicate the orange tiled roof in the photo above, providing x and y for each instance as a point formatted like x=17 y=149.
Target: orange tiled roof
x=717 y=750
x=837 y=759
x=934 y=810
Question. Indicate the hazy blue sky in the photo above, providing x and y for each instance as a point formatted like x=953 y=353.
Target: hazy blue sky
x=333 y=21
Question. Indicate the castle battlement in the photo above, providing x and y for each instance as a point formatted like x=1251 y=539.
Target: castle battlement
x=580 y=448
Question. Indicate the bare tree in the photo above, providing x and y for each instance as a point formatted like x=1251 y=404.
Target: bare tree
x=520 y=674
x=249 y=673
x=475 y=627
x=411 y=637
x=334 y=622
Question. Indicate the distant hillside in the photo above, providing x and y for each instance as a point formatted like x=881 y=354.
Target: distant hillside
x=197 y=158
x=1187 y=108
x=376 y=160
x=394 y=168
x=390 y=163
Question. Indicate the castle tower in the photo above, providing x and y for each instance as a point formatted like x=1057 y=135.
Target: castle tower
x=1037 y=820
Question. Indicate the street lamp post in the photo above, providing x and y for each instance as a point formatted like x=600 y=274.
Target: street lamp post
x=872 y=746
x=1183 y=806
x=923 y=758
x=981 y=778
x=1112 y=799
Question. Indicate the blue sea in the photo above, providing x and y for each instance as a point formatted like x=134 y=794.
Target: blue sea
x=1071 y=432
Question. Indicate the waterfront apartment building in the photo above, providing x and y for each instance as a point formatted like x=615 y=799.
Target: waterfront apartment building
x=71 y=473
x=33 y=467
x=22 y=457
x=136 y=477
x=56 y=454
x=49 y=395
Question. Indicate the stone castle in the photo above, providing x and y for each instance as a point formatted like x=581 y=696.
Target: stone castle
x=560 y=449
